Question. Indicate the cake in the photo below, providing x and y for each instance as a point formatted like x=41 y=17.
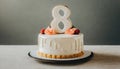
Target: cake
x=57 y=43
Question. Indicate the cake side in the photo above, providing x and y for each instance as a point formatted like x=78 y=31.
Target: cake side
x=61 y=44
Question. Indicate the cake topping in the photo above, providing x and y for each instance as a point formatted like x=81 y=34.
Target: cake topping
x=72 y=31
x=50 y=31
x=77 y=31
x=42 y=31
x=54 y=28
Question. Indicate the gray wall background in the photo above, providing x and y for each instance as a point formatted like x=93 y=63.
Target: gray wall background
x=21 y=20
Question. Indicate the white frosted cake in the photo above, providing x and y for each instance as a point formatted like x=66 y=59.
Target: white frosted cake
x=58 y=43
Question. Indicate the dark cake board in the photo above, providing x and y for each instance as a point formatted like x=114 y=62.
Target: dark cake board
x=86 y=57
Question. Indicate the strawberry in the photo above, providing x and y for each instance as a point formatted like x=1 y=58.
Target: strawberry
x=77 y=31
x=42 y=31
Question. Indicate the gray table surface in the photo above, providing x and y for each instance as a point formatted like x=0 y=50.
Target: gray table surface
x=15 y=57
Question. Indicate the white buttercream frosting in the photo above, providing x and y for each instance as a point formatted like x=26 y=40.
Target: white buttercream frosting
x=60 y=44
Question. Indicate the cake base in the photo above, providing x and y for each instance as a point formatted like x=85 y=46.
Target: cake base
x=86 y=56
x=59 y=56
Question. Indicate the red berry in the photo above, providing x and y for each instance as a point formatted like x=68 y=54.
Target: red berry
x=42 y=31
x=77 y=31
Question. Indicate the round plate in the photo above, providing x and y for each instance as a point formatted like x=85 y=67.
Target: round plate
x=87 y=55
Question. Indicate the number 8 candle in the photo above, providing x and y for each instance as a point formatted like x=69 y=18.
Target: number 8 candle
x=57 y=18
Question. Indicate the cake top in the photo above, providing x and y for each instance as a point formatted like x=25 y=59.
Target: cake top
x=54 y=27
x=60 y=36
